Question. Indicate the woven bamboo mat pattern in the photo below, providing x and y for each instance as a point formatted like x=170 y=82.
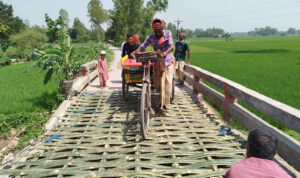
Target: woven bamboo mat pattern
x=99 y=136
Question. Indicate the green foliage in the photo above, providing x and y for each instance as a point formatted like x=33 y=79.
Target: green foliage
x=63 y=60
x=25 y=92
x=291 y=31
x=133 y=16
x=262 y=63
x=33 y=124
x=97 y=16
x=173 y=29
x=86 y=53
x=9 y=25
x=53 y=28
x=267 y=31
x=39 y=29
x=56 y=58
x=27 y=40
x=210 y=32
x=17 y=120
x=3 y=28
x=5 y=60
x=79 y=33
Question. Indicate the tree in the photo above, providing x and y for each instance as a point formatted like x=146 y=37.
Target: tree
x=65 y=16
x=79 y=32
x=189 y=33
x=133 y=16
x=210 y=32
x=3 y=28
x=56 y=58
x=53 y=28
x=27 y=40
x=97 y=16
x=291 y=31
x=37 y=28
x=9 y=25
x=172 y=28
x=267 y=31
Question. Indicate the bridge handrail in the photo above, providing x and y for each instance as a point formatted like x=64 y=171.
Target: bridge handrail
x=85 y=68
x=283 y=113
x=289 y=148
x=78 y=82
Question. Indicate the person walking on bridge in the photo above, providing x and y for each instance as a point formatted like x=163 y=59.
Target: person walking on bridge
x=181 y=47
x=161 y=40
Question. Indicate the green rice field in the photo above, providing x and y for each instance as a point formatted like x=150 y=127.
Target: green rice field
x=22 y=91
x=268 y=65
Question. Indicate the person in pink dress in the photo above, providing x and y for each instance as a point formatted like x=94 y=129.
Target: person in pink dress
x=262 y=147
x=102 y=69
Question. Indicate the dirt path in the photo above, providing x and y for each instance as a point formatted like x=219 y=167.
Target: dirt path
x=115 y=80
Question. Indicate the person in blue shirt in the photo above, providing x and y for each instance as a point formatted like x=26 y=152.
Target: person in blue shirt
x=181 y=47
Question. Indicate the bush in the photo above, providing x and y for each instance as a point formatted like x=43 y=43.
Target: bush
x=4 y=61
x=33 y=124
x=4 y=58
x=18 y=120
x=26 y=41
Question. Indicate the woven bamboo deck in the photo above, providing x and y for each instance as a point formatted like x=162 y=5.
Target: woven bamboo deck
x=106 y=142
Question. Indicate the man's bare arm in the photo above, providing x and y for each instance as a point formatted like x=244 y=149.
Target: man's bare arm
x=189 y=57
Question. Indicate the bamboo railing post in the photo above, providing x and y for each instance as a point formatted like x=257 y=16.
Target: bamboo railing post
x=228 y=100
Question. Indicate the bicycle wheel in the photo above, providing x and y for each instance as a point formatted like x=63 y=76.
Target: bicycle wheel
x=145 y=109
x=125 y=89
x=173 y=90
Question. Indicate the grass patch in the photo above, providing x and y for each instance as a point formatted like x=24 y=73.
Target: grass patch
x=268 y=65
x=22 y=91
x=25 y=101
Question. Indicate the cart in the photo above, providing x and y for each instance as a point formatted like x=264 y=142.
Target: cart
x=138 y=73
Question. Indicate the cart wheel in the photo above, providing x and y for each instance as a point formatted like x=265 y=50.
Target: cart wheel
x=145 y=109
x=173 y=90
x=125 y=89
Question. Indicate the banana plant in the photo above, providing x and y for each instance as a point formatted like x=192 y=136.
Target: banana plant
x=56 y=58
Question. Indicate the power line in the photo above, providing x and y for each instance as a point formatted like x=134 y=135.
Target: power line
x=178 y=23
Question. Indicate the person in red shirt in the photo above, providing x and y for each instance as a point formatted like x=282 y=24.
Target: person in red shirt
x=262 y=147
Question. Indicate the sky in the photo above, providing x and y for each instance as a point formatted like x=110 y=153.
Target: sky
x=230 y=15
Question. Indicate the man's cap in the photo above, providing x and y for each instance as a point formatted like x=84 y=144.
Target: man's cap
x=158 y=24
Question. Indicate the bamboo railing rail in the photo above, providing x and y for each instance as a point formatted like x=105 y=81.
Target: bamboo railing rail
x=289 y=148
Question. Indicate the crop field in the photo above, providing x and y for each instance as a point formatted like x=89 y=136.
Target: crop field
x=22 y=91
x=268 y=65
x=25 y=101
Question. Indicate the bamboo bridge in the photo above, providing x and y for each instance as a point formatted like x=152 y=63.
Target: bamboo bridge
x=96 y=133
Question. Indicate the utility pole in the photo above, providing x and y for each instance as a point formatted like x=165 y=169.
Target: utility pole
x=178 y=23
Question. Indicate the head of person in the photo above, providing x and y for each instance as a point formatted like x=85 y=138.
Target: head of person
x=158 y=26
x=261 y=144
x=129 y=39
x=102 y=54
x=181 y=36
